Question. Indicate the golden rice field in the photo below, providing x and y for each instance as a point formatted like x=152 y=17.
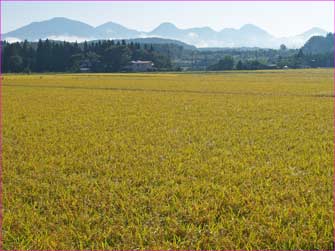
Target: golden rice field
x=233 y=160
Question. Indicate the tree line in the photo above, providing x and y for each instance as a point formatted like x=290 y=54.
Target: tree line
x=114 y=56
x=296 y=61
x=53 y=56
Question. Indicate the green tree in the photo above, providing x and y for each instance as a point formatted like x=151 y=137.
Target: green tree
x=15 y=63
x=227 y=63
x=239 y=65
x=116 y=58
x=283 y=47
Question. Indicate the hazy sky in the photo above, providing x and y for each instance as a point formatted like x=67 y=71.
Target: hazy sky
x=278 y=18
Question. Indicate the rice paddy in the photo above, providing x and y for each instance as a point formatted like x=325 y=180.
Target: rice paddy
x=231 y=160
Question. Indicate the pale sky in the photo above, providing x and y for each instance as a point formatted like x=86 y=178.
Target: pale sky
x=278 y=18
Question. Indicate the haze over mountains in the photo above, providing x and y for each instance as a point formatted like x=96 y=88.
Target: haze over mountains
x=249 y=35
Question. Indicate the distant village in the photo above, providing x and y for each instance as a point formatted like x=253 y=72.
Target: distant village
x=134 y=66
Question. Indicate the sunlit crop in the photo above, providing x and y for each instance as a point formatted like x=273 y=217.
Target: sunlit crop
x=234 y=160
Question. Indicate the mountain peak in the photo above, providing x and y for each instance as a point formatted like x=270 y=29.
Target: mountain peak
x=165 y=29
x=115 y=30
x=314 y=31
x=110 y=23
x=64 y=20
x=58 y=27
x=167 y=24
x=205 y=28
x=60 y=19
x=250 y=27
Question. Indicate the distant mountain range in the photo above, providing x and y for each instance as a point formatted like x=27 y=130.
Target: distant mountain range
x=249 y=35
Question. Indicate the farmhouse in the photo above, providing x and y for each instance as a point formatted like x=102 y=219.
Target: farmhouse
x=139 y=65
x=85 y=66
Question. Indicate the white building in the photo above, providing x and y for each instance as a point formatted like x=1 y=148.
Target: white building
x=139 y=65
